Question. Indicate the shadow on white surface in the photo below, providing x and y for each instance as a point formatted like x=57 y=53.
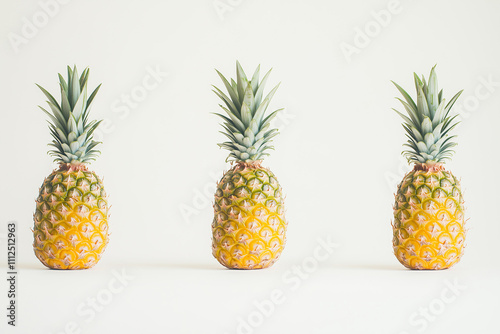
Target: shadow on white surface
x=166 y=265
x=218 y=267
x=99 y=267
x=369 y=266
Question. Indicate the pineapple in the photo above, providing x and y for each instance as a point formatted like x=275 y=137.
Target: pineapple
x=249 y=226
x=428 y=227
x=71 y=217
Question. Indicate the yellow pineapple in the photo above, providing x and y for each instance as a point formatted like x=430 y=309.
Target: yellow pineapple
x=71 y=216
x=249 y=226
x=428 y=227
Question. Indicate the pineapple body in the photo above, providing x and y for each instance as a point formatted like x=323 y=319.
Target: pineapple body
x=71 y=219
x=428 y=228
x=249 y=226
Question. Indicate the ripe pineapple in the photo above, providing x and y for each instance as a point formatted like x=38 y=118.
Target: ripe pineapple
x=71 y=217
x=429 y=220
x=249 y=226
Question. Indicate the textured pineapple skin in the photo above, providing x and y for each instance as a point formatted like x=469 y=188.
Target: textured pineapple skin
x=71 y=219
x=429 y=226
x=249 y=226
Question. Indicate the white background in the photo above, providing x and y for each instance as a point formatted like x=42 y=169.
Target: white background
x=337 y=158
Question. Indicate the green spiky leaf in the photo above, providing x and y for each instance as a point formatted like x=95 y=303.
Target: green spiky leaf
x=246 y=125
x=73 y=140
x=428 y=122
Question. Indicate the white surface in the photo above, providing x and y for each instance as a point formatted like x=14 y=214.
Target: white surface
x=205 y=298
x=339 y=144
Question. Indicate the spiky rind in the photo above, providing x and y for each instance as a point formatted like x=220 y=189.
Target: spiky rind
x=429 y=225
x=245 y=125
x=72 y=133
x=71 y=219
x=249 y=226
x=428 y=122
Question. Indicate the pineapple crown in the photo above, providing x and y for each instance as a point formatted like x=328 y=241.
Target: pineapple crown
x=69 y=126
x=246 y=127
x=429 y=122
